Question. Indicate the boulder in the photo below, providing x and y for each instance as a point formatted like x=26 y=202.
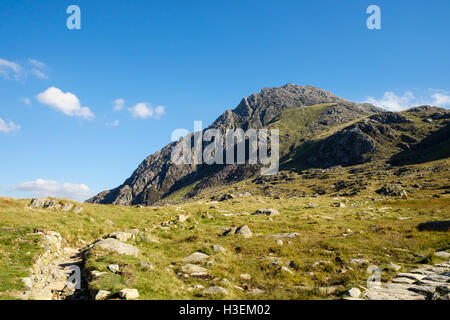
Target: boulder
x=114 y=245
x=129 y=294
x=102 y=295
x=196 y=257
x=267 y=212
x=114 y=268
x=218 y=248
x=442 y=254
x=194 y=270
x=215 y=290
x=122 y=235
x=242 y=230
x=353 y=293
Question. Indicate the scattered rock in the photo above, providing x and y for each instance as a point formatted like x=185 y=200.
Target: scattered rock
x=393 y=266
x=215 y=290
x=353 y=293
x=196 y=257
x=114 y=245
x=181 y=218
x=129 y=294
x=242 y=230
x=114 y=268
x=267 y=212
x=102 y=295
x=122 y=235
x=256 y=291
x=146 y=266
x=246 y=276
x=359 y=262
x=218 y=248
x=284 y=235
x=442 y=254
x=193 y=270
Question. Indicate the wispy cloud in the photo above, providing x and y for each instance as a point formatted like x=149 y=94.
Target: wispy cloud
x=10 y=69
x=16 y=71
x=37 y=68
x=115 y=123
x=144 y=110
x=119 y=104
x=36 y=63
x=393 y=102
x=51 y=188
x=9 y=126
x=65 y=102
x=27 y=101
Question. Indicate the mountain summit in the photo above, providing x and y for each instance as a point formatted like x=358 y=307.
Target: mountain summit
x=156 y=177
x=317 y=130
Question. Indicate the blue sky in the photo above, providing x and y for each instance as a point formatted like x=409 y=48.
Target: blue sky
x=173 y=62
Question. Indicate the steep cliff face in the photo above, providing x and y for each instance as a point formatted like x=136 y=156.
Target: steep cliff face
x=157 y=177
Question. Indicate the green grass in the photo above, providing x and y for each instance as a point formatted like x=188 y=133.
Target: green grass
x=381 y=236
x=18 y=246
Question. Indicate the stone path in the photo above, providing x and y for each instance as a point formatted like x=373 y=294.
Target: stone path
x=424 y=283
x=56 y=274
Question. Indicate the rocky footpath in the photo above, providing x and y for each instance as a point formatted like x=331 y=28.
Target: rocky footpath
x=424 y=283
x=56 y=274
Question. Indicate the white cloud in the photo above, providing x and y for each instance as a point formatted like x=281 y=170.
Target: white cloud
x=393 y=102
x=441 y=99
x=27 y=101
x=67 y=103
x=159 y=111
x=7 y=127
x=144 y=110
x=9 y=68
x=51 y=188
x=119 y=104
x=115 y=123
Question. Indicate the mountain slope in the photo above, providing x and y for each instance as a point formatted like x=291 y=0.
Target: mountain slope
x=157 y=177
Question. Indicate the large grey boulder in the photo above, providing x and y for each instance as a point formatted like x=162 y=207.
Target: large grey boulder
x=114 y=245
x=196 y=257
x=267 y=212
x=242 y=230
x=194 y=270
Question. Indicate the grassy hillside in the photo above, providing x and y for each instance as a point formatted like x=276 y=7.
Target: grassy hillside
x=383 y=230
